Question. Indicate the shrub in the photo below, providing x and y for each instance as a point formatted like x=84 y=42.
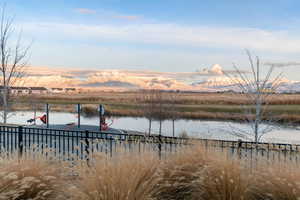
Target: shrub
x=30 y=179
x=124 y=177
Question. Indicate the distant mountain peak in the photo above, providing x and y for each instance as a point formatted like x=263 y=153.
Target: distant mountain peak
x=210 y=79
x=215 y=69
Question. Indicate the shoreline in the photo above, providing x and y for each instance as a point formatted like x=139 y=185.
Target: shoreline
x=284 y=108
x=282 y=119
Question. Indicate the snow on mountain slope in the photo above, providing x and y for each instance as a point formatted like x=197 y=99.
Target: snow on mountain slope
x=211 y=79
x=223 y=83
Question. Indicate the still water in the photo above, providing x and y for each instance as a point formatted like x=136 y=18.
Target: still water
x=194 y=128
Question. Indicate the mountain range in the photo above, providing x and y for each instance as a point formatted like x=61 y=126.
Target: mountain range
x=211 y=79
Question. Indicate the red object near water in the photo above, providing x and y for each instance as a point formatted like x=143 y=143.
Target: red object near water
x=104 y=126
x=44 y=119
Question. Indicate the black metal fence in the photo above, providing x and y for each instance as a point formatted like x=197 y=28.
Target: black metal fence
x=69 y=144
x=72 y=145
x=274 y=152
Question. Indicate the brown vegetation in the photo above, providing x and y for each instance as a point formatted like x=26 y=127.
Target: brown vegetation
x=191 y=173
x=182 y=98
x=127 y=176
x=31 y=178
x=284 y=107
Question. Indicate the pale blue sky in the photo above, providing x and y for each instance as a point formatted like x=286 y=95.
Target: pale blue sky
x=160 y=35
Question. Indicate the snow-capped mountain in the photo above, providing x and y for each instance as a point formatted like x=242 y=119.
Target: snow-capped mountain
x=224 y=83
x=289 y=87
x=211 y=79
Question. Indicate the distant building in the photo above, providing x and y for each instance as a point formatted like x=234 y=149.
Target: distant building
x=57 y=90
x=19 y=90
x=38 y=90
x=70 y=90
x=25 y=90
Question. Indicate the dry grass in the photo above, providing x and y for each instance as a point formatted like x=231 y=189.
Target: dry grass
x=179 y=175
x=31 y=179
x=182 y=98
x=197 y=174
x=280 y=182
x=200 y=175
x=193 y=174
x=124 y=177
x=210 y=106
x=224 y=179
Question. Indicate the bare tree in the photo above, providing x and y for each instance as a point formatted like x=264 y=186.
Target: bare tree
x=154 y=107
x=147 y=100
x=13 y=57
x=172 y=114
x=259 y=87
x=160 y=109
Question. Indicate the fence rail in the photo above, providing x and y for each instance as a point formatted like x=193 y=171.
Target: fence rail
x=68 y=144
x=254 y=151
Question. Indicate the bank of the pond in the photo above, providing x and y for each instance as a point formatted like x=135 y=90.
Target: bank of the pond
x=280 y=113
x=209 y=129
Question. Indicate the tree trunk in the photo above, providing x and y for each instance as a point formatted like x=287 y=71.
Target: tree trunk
x=173 y=124
x=34 y=115
x=257 y=116
x=149 y=127
x=160 y=125
x=256 y=131
x=5 y=104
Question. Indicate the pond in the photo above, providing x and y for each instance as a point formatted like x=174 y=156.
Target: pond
x=194 y=128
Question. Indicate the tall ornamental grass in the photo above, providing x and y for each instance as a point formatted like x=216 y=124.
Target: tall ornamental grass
x=192 y=173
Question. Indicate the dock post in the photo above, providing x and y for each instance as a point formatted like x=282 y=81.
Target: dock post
x=47 y=115
x=78 y=112
x=101 y=113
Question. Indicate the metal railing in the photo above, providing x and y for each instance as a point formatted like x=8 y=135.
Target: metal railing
x=70 y=144
x=253 y=151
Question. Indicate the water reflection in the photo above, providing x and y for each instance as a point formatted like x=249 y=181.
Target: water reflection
x=194 y=128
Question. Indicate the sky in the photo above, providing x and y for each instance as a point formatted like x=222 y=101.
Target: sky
x=158 y=35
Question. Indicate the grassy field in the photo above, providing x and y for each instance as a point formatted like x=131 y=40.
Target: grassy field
x=285 y=107
x=191 y=174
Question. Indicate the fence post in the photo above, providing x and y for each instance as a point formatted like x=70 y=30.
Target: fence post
x=87 y=146
x=20 y=140
x=240 y=148
x=232 y=148
x=110 y=145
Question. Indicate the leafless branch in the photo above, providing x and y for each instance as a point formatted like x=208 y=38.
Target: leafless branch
x=13 y=59
x=257 y=88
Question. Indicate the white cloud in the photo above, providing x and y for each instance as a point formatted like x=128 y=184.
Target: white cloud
x=171 y=34
x=127 y=17
x=85 y=11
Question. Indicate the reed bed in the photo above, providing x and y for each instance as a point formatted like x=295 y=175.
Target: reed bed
x=209 y=106
x=182 y=98
x=192 y=173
